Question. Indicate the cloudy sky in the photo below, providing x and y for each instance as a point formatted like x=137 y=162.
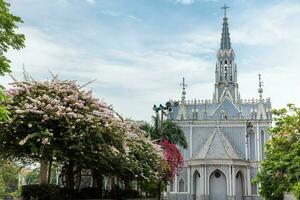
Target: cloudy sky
x=137 y=51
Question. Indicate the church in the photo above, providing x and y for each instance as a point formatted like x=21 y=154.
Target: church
x=226 y=136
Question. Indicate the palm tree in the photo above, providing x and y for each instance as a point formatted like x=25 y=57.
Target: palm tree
x=165 y=130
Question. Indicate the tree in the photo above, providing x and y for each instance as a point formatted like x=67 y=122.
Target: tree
x=165 y=130
x=8 y=39
x=167 y=134
x=280 y=171
x=58 y=121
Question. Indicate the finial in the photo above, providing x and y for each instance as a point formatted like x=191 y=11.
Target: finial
x=183 y=89
x=225 y=10
x=260 y=89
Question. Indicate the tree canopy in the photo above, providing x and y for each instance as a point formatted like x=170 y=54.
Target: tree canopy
x=280 y=171
x=8 y=39
x=58 y=121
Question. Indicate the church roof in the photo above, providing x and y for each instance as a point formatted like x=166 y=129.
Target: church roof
x=217 y=147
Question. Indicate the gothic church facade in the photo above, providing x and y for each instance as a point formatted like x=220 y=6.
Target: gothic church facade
x=226 y=136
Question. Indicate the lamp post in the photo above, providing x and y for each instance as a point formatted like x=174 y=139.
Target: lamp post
x=163 y=111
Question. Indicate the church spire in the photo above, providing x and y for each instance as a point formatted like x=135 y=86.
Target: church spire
x=226 y=69
x=184 y=85
x=225 y=40
x=260 y=89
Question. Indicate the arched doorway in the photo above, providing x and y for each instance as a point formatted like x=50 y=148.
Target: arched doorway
x=196 y=184
x=217 y=186
x=239 y=185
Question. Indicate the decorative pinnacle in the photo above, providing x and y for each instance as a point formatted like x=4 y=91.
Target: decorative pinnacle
x=225 y=10
x=260 y=85
x=184 y=85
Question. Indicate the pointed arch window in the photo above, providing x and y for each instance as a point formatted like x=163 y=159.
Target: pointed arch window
x=181 y=185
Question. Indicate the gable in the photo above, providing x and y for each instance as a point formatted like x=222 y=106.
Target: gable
x=217 y=147
x=226 y=108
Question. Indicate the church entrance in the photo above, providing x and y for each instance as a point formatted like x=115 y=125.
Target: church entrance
x=217 y=186
x=196 y=185
x=239 y=185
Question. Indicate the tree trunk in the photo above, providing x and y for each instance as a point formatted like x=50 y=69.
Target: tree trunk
x=70 y=183
x=77 y=177
x=159 y=191
x=49 y=171
x=95 y=179
x=44 y=171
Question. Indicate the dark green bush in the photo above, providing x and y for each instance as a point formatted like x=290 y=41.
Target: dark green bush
x=41 y=192
x=54 y=192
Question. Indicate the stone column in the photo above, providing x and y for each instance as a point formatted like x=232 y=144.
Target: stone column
x=258 y=143
x=248 y=184
x=176 y=184
x=246 y=144
x=188 y=179
x=191 y=142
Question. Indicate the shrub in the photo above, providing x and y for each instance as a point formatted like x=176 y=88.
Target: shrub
x=41 y=192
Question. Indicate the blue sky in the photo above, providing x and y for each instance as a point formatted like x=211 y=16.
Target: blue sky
x=137 y=51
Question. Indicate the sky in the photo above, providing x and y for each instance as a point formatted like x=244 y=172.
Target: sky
x=137 y=51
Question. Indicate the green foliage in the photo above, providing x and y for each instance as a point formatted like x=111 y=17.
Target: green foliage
x=8 y=177
x=41 y=192
x=32 y=178
x=8 y=39
x=280 y=171
x=296 y=190
x=165 y=130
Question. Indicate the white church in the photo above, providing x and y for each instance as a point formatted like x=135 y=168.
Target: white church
x=226 y=136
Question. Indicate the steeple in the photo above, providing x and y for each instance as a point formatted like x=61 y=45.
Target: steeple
x=260 y=89
x=225 y=39
x=226 y=70
x=183 y=90
x=261 y=111
x=182 y=112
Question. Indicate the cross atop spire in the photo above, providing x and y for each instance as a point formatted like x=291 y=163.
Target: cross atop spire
x=184 y=85
x=225 y=40
x=260 y=85
x=225 y=10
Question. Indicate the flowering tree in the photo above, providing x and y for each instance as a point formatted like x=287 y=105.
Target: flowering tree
x=57 y=120
x=174 y=159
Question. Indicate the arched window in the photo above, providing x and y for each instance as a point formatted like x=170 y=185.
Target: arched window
x=171 y=186
x=262 y=140
x=225 y=72
x=252 y=146
x=181 y=185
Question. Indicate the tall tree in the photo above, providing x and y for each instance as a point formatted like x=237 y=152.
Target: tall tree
x=165 y=130
x=280 y=171
x=8 y=39
x=167 y=134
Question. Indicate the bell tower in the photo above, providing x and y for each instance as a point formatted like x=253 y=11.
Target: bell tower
x=226 y=70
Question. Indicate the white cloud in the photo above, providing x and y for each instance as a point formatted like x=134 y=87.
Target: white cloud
x=91 y=1
x=273 y=38
x=131 y=80
x=185 y=2
x=111 y=13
